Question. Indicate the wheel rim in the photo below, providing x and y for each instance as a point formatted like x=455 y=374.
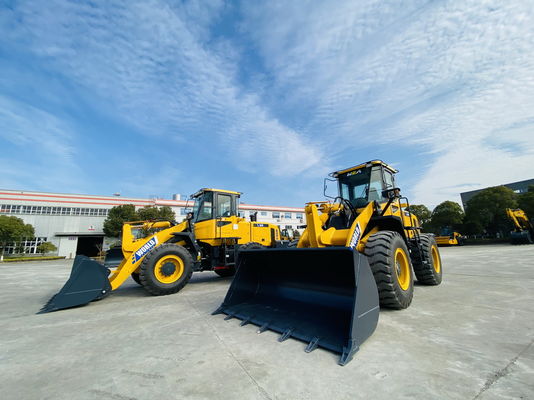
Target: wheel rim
x=436 y=263
x=169 y=269
x=402 y=268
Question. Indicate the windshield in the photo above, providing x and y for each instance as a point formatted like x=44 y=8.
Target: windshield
x=361 y=186
x=202 y=209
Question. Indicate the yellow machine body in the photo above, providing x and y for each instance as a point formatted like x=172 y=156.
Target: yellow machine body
x=523 y=232
x=357 y=252
x=454 y=239
x=161 y=255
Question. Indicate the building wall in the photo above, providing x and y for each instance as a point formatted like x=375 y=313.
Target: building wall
x=63 y=218
x=517 y=187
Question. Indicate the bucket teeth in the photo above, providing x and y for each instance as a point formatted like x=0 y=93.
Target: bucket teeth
x=287 y=291
x=229 y=316
x=246 y=321
x=263 y=328
x=286 y=335
x=312 y=345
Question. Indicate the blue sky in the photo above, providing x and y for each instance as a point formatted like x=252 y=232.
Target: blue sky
x=159 y=97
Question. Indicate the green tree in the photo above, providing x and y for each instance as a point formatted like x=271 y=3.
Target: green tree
x=447 y=214
x=151 y=213
x=486 y=211
x=422 y=213
x=525 y=201
x=46 y=247
x=13 y=229
x=117 y=216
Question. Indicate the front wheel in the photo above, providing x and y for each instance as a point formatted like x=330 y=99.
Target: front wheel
x=166 y=269
x=389 y=260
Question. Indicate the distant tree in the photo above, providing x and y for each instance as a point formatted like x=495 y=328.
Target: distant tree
x=46 y=247
x=447 y=214
x=151 y=213
x=486 y=211
x=422 y=213
x=525 y=201
x=117 y=216
x=13 y=229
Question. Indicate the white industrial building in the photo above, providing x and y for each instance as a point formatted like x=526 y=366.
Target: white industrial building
x=74 y=222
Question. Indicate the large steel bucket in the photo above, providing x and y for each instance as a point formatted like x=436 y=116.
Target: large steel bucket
x=326 y=297
x=88 y=281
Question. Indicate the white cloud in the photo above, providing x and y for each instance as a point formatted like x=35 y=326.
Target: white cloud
x=151 y=65
x=46 y=142
x=433 y=79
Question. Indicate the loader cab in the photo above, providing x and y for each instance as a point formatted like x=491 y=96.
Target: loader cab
x=366 y=182
x=213 y=204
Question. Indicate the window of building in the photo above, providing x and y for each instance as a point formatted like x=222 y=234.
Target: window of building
x=287 y=215
x=276 y=214
x=263 y=213
x=299 y=216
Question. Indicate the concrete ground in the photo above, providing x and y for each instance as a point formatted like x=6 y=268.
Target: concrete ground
x=470 y=338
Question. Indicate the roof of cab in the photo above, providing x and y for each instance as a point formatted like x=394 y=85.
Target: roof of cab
x=215 y=190
x=335 y=174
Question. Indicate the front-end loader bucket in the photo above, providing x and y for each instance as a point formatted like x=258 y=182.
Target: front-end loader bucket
x=114 y=257
x=88 y=281
x=326 y=297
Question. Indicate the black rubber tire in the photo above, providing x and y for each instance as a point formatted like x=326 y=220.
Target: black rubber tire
x=380 y=250
x=251 y=245
x=426 y=273
x=136 y=278
x=146 y=271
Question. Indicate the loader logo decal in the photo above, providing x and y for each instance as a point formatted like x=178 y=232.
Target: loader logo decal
x=355 y=236
x=144 y=249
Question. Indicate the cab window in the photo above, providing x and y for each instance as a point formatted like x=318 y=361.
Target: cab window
x=204 y=207
x=224 y=206
x=375 y=185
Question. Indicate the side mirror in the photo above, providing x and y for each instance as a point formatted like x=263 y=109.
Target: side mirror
x=392 y=193
x=189 y=216
x=254 y=216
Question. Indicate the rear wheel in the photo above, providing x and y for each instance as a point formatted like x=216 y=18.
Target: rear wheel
x=166 y=269
x=389 y=260
x=431 y=273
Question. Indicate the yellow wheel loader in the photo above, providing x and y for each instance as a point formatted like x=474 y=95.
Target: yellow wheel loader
x=450 y=238
x=163 y=260
x=359 y=251
x=523 y=232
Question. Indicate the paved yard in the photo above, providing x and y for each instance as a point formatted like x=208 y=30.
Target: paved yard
x=470 y=338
